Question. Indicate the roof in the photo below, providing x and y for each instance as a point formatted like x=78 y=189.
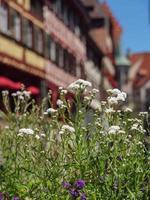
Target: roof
x=88 y=2
x=143 y=73
x=101 y=38
x=117 y=29
x=96 y=10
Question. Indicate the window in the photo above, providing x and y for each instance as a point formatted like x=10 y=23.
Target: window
x=57 y=54
x=38 y=40
x=15 y=25
x=66 y=61
x=37 y=8
x=27 y=33
x=66 y=15
x=3 y=18
x=77 y=26
x=61 y=57
x=47 y=46
x=53 y=51
x=72 y=21
x=72 y=61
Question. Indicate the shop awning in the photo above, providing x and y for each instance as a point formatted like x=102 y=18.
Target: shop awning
x=6 y=83
x=34 y=90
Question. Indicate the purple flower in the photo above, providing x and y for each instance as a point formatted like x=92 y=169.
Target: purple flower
x=79 y=184
x=15 y=198
x=74 y=193
x=83 y=196
x=66 y=185
x=1 y=196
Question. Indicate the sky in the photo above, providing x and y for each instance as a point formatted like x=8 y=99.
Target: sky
x=134 y=17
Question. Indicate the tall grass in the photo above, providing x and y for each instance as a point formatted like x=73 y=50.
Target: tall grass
x=43 y=149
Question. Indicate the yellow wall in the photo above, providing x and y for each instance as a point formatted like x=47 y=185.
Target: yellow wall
x=20 y=2
x=24 y=3
x=11 y=48
x=34 y=59
x=27 y=4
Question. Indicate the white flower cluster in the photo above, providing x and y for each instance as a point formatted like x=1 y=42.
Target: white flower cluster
x=137 y=127
x=50 y=111
x=113 y=129
x=60 y=104
x=67 y=128
x=25 y=131
x=80 y=84
x=109 y=110
x=143 y=114
x=5 y=92
x=22 y=94
x=116 y=96
x=62 y=91
x=128 y=110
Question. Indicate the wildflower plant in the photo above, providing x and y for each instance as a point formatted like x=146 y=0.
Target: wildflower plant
x=42 y=147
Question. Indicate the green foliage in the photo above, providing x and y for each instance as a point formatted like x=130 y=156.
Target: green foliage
x=40 y=149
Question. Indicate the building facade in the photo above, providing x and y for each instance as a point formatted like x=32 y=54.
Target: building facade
x=45 y=44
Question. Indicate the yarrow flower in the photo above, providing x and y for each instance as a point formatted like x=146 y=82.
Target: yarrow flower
x=68 y=128
x=51 y=110
x=113 y=129
x=60 y=102
x=25 y=131
x=80 y=84
x=128 y=110
x=116 y=96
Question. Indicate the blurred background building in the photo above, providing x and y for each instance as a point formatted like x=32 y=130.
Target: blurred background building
x=45 y=44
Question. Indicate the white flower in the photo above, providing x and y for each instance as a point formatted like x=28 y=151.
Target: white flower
x=143 y=114
x=42 y=135
x=51 y=110
x=115 y=96
x=27 y=94
x=112 y=100
x=128 y=110
x=21 y=97
x=18 y=93
x=26 y=131
x=113 y=129
x=13 y=94
x=95 y=91
x=115 y=91
x=109 y=110
x=79 y=84
x=37 y=137
x=68 y=128
x=5 y=92
x=120 y=97
x=59 y=102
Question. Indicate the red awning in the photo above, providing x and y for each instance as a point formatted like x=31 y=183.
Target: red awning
x=34 y=90
x=6 y=83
